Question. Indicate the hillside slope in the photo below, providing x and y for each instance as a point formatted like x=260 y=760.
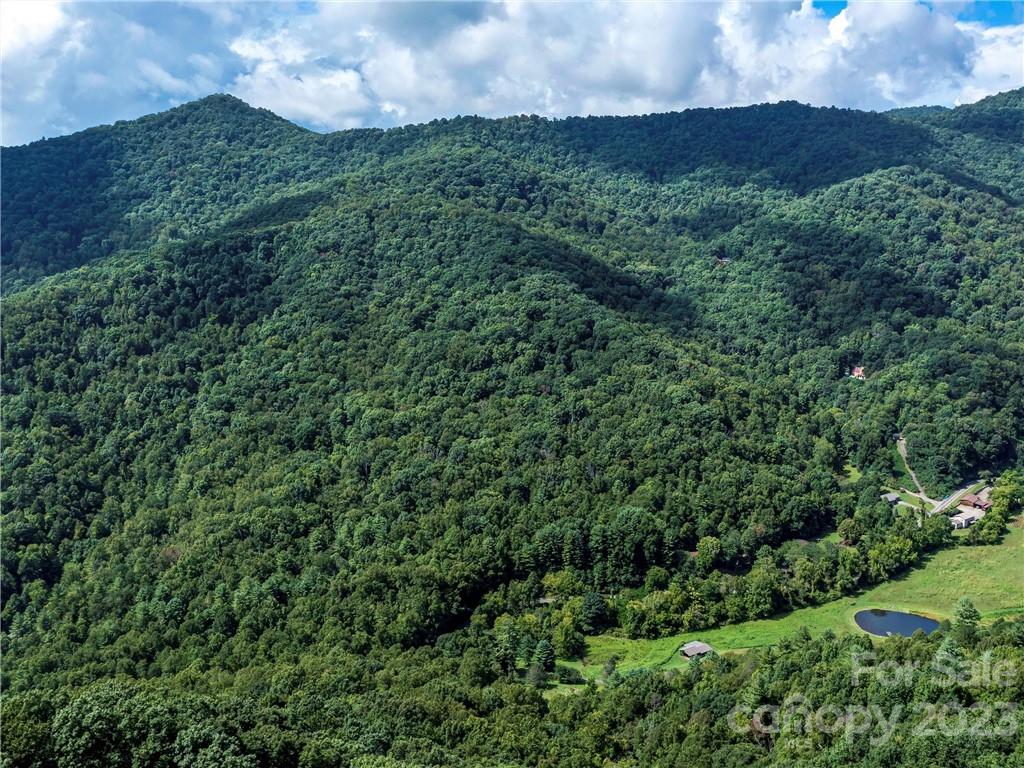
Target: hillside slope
x=272 y=397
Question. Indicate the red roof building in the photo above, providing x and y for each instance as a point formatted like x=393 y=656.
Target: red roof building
x=971 y=500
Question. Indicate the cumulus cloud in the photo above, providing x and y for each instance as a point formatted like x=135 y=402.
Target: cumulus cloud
x=68 y=66
x=28 y=25
x=321 y=96
x=625 y=58
x=37 y=40
x=997 y=64
x=871 y=55
x=339 y=65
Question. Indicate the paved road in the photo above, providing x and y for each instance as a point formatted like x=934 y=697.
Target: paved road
x=937 y=506
x=953 y=498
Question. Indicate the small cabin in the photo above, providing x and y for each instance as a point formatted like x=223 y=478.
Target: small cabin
x=892 y=499
x=695 y=649
x=858 y=373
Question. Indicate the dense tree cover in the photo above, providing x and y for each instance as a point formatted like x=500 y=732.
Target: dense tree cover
x=828 y=701
x=797 y=574
x=323 y=418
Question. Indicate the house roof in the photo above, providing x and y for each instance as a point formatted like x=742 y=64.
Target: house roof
x=891 y=497
x=971 y=501
x=967 y=516
x=696 y=648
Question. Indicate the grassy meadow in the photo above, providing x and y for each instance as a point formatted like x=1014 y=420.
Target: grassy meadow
x=993 y=577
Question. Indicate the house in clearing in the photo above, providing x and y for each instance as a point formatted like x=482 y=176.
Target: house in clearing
x=695 y=649
x=972 y=500
x=891 y=498
x=966 y=518
x=858 y=373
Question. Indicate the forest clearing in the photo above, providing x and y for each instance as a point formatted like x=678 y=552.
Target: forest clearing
x=992 y=577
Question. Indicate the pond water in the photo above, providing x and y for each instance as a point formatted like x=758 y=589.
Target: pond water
x=883 y=623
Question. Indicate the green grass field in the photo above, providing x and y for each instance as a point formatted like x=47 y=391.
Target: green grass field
x=851 y=475
x=913 y=500
x=993 y=577
x=901 y=477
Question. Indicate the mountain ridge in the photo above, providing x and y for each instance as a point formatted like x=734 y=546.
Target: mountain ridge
x=305 y=433
x=132 y=192
x=1011 y=98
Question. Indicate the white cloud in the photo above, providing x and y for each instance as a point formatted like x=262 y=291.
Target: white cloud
x=337 y=65
x=281 y=48
x=408 y=82
x=67 y=66
x=38 y=40
x=27 y=24
x=997 y=64
x=871 y=55
x=576 y=58
x=160 y=78
x=325 y=98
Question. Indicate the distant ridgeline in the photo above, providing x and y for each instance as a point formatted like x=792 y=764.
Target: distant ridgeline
x=271 y=395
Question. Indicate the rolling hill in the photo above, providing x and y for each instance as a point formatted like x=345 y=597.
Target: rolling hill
x=291 y=419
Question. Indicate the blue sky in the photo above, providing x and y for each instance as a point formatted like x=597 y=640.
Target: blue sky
x=999 y=14
x=67 y=66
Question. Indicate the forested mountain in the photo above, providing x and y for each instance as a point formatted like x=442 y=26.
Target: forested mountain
x=291 y=420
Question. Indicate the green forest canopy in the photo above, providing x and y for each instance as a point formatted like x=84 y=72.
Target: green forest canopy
x=273 y=398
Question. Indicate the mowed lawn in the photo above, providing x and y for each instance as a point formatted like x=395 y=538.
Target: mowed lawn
x=993 y=577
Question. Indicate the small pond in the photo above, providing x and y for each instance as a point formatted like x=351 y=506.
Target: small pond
x=883 y=623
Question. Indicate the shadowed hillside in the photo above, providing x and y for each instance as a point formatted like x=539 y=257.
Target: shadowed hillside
x=170 y=176
x=320 y=449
